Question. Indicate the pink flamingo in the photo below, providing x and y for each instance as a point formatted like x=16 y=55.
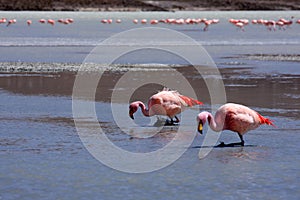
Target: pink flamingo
x=234 y=117
x=167 y=102
x=42 y=21
x=270 y=24
x=207 y=23
x=144 y=21
x=154 y=21
x=3 y=20
x=29 y=22
x=70 y=20
x=254 y=21
x=11 y=21
x=51 y=21
x=240 y=25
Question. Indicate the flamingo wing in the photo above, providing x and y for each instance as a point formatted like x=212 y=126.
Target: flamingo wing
x=241 y=119
x=170 y=103
x=240 y=122
x=188 y=101
x=184 y=100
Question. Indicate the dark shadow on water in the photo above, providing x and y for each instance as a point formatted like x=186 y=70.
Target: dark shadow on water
x=219 y=146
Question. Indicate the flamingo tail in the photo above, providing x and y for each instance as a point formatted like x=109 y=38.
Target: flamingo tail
x=190 y=101
x=264 y=120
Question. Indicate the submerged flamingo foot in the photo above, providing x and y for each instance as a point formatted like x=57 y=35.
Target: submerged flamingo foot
x=170 y=123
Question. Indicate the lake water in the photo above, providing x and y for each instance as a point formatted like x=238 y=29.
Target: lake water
x=43 y=157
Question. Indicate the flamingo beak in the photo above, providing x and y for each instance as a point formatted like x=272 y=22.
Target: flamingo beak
x=200 y=127
x=131 y=114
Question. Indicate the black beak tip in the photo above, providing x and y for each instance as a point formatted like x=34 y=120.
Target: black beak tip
x=131 y=116
x=200 y=127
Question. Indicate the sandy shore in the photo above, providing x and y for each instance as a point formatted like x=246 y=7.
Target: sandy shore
x=140 y=5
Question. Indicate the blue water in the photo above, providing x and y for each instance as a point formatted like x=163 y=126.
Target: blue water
x=42 y=156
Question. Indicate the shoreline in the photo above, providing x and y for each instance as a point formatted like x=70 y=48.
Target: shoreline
x=142 y=5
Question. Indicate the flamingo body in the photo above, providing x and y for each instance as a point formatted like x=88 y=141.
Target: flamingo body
x=166 y=103
x=235 y=117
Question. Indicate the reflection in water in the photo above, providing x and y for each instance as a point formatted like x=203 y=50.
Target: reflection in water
x=278 y=92
x=247 y=154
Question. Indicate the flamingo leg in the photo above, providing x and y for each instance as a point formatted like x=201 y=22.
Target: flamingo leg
x=171 y=122
x=177 y=120
x=222 y=144
x=242 y=140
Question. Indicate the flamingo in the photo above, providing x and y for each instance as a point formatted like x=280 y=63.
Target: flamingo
x=29 y=22
x=166 y=102
x=3 y=20
x=207 y=23
x=42 y=21
x=235 y=117
x=270 y=24
x=51 y=21
x=154 y=21
x=144 y=21
x=70 y=20
x=12 y=21
x=240 y=25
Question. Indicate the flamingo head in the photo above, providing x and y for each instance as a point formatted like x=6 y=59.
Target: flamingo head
x=201 y=119
x=133 y=107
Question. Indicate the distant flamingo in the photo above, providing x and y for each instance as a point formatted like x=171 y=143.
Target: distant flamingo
x=234 y=117
x=167 y=102
x=51 y=21
x=42 y=21
x=3 y=20
x=154 y=21
x=280 y=24
x=144 y=21
x=207 y=23
x=70 y=20
x=11 y=21
x=240 y=25
x=270 y=24
x=29 y=22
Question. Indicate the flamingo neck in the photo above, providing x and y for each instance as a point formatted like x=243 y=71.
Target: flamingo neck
x=215 y=126
x=145 y=111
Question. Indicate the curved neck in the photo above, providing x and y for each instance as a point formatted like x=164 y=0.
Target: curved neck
x=145 y=111
x=215 y=125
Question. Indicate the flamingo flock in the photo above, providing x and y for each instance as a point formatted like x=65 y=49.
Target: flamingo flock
x=271 y=25
x=41 y=21
x=179 y=21
x=235 y=117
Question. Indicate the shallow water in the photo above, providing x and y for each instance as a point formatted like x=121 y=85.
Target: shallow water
x=43 y=157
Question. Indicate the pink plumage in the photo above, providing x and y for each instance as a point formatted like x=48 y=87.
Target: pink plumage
x=167 y=102
x=235 y=117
